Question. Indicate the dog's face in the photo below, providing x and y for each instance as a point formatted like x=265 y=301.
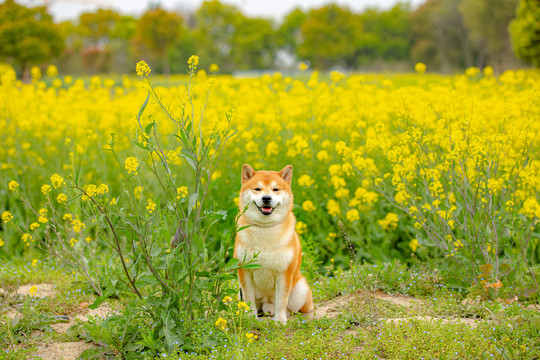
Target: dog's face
x=267 y=194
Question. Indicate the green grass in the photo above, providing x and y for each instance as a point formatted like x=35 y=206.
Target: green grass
x=387 y=311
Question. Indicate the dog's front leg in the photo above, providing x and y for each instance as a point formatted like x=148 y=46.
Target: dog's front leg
x=248 y=288
x=282 y=292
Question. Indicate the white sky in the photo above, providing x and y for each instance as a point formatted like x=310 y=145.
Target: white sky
x=70 y=9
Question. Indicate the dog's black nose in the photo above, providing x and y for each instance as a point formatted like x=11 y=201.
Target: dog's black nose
x=266 y=199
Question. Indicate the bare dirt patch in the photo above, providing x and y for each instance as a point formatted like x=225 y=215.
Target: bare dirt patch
x=63 y=351
x=406 y=301
x=102 y=312
x=40 y=290
x=333 y=307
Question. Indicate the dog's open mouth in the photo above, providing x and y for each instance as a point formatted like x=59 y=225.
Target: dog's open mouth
x=265 y=209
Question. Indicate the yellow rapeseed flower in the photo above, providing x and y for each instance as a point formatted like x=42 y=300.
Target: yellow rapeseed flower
x=7 y=216
x=242 y=305
x=308 y=206
x=45 y=189
x=151 y=206
x=142 y=68
x=301 y=227
x=193 y=61
x=333 y=207
x=181 y=192
x=62 y=198
x=56 y=181
x=221 y=323
x=305 y=180
x=78 y=226
x=352 y=215
x=390 y=222
x=131 y=164
x=420 y=68
x=137 y=192
x=13 y=185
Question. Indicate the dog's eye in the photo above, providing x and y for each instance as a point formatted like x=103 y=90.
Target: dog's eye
x=258 y=189
x=276 y=189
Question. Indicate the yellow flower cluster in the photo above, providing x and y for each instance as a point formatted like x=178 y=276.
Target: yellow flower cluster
x=132 y=165
x=390 y=222
x=181 y=192
x=142 y=68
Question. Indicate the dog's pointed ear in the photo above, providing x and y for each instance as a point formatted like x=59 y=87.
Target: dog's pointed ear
x=247 y=173
x=286 y=173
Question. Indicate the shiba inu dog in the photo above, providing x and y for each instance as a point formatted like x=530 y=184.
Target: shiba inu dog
x=277 y=285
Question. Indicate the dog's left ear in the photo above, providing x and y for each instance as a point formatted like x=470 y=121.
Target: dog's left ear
x=286 y=173
x=247 y=173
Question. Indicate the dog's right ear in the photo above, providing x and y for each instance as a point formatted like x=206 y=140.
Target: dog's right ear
x=247 y=173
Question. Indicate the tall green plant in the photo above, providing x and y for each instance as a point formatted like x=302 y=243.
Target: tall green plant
x=171 y=284
x=475 y=207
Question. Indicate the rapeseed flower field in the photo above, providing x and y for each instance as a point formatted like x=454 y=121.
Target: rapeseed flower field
x=438 y=171
x=347 y=137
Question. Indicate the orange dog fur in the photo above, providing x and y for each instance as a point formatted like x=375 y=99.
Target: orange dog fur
x=277 y=285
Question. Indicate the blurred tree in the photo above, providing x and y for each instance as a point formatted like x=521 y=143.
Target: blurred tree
x=254 y=43
x=424 y=41
x=216 y=25
x=386 y=35
x=121 y=35
x=487 y=22
x=158 y=30
x=182 y=50
x=289 y=35
x=98 y=26
x=96 y=30
x=28 y=36
x=331 y=35
x=440 y=39
x=525 y=32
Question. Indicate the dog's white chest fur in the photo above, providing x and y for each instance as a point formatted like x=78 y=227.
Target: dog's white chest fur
x=273 y=254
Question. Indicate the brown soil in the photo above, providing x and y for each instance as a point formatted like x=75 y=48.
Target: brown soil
x=58 y=350
x=42 y=290
x=62 y=351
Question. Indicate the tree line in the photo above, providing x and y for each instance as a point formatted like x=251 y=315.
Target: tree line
x=447 y=35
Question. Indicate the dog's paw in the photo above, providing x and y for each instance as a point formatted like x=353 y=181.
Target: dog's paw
x=281 y=318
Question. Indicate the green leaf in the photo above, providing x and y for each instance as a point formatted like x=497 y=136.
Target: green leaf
x=149 y=127
x=232 y=264
x=192 y=201
x=156 y=250
x=141 y=110
x=251 y=266
x=147 y=280
x=141 y=145
x=456 y=283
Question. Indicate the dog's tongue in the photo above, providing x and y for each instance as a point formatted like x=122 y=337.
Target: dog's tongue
x=266 y=209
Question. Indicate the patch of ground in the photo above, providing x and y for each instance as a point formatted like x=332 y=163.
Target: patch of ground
x=62 y=351
x=333 y=307
x=37 y=290
x=406 y=301
x=341 y=305
x=12 y=313
x=59 y=350
x=471 y=322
